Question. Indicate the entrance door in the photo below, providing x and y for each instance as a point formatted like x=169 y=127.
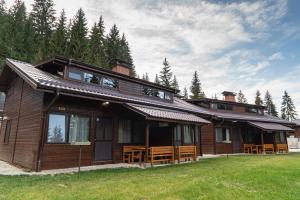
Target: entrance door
x=236 y=139
x=103 y=139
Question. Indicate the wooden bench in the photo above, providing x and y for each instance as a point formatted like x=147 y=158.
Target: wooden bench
x=282 y=148
x=186 y=153
x=162 y=154
x=247 y=148
x=131 y=153
x=268 y=148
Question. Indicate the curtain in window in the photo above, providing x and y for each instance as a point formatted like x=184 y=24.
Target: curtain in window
x=282 y=137
x=219 y=135
x=79 y=129
x=188 y=134
x=56 y=128
x=124 y=131
x=177 y=135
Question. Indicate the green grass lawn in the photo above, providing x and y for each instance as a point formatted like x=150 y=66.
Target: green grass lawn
x=237 y=177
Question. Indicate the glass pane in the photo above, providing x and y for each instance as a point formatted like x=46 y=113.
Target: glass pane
x=138 y=131
x=219 y=135
x=103 y=128
x=75 y=74
x=109 y=82
x=178 y=135
x=87 y=77
x=161 y=94
x=56 y=128
x=167 y=96
x=96 y=80
x=188 y=139
x=124 y=131
x=79 y=129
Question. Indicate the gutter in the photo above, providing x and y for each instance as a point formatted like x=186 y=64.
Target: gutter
x=43 y=129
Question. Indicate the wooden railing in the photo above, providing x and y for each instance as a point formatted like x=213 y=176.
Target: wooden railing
x=282 y=148
x=186 y=153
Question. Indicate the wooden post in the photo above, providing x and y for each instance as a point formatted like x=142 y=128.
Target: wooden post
x=147 y=140
x=262 y=141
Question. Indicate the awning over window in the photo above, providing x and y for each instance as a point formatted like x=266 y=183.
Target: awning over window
x=270 y=126
x=162 y=114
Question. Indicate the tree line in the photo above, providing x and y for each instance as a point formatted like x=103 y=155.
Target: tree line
x=166 y=78
x=36 y=35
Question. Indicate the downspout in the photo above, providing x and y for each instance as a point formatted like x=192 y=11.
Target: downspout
x=42 y=139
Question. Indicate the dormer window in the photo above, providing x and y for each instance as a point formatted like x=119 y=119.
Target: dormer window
x=92 y=78
x=152 y=92
x=220 y=106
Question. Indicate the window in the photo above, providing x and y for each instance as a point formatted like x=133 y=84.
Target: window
x=280 y=137
x=177 y=135
x=197 y=134
x=59 y=127
x=7 y=131
x=124 y=131
x=79 y=128
x=138 y=129
x=109 y=82
x=251 y=110
x=87 y=77
x=75 y=74
x=221 y=106
x=188 y=134
x=223 y=135
x=104 y=128
x=156 y=93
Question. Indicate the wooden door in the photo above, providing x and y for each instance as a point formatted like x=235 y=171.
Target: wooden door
x=103 y=139
x=236 y=140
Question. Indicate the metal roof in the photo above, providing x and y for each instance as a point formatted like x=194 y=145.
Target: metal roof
x=270 y=126
x=45 y=81
x=154 y=113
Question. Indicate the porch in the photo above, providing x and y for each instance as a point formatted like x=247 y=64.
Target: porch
x=263 y=138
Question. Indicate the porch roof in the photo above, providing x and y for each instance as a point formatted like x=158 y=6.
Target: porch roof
x=155 y=113
x=270 y=126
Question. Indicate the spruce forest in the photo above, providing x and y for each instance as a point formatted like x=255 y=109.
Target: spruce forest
x=43 y=32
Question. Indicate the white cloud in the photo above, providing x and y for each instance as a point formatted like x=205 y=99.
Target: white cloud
x=215 y=38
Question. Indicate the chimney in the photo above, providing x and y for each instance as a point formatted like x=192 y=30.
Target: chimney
x=229 y=96
x=121 y=67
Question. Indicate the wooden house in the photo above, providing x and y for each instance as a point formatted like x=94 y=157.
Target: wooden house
x=59 y=102
x=241 y=128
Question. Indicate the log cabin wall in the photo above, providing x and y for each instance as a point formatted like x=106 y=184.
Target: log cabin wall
x=208 y=139
x=24 y=107
x=240 y=109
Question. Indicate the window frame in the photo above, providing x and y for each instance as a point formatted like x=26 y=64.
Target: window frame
x=6 y=132
x=228 y=140
x=67 y=124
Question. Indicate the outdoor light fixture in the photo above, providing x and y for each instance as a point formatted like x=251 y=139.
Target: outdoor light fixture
x=106 y=103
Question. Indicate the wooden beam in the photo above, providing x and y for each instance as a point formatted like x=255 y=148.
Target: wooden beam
x=147 y=140
x=262 y=140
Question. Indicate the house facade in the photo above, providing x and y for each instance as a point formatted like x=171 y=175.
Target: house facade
x=59 y=102
x=236 y=125
x=51 y=106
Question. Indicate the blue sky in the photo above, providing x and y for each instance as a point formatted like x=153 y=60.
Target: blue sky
x=234 y=45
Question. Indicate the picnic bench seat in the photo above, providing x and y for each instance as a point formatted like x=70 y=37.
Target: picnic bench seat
x=268 y=148
x=247 y=148
x=162 y=154
x=282 y=148
x=131 y=153
x=186 y=153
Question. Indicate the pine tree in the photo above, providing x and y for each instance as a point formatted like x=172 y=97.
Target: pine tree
x=78 y=37
x=16 y=30
x=241 y=97
x=196 y=88
x=185 y=93
x=156 y=80
x=288 y=109
x=113 y=46
x=146 y=77
x=175 y=84
x=125 y=53
x=258 y=100
x=57 y=136
x=3 y=33
x=59 y=36
x=97 y=45
x=165 y=74
x=270 y=106
x=43 y=17
x=29 y=41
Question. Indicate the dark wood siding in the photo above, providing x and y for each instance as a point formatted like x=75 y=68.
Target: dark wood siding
x=208 y=139
x=24 y=108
